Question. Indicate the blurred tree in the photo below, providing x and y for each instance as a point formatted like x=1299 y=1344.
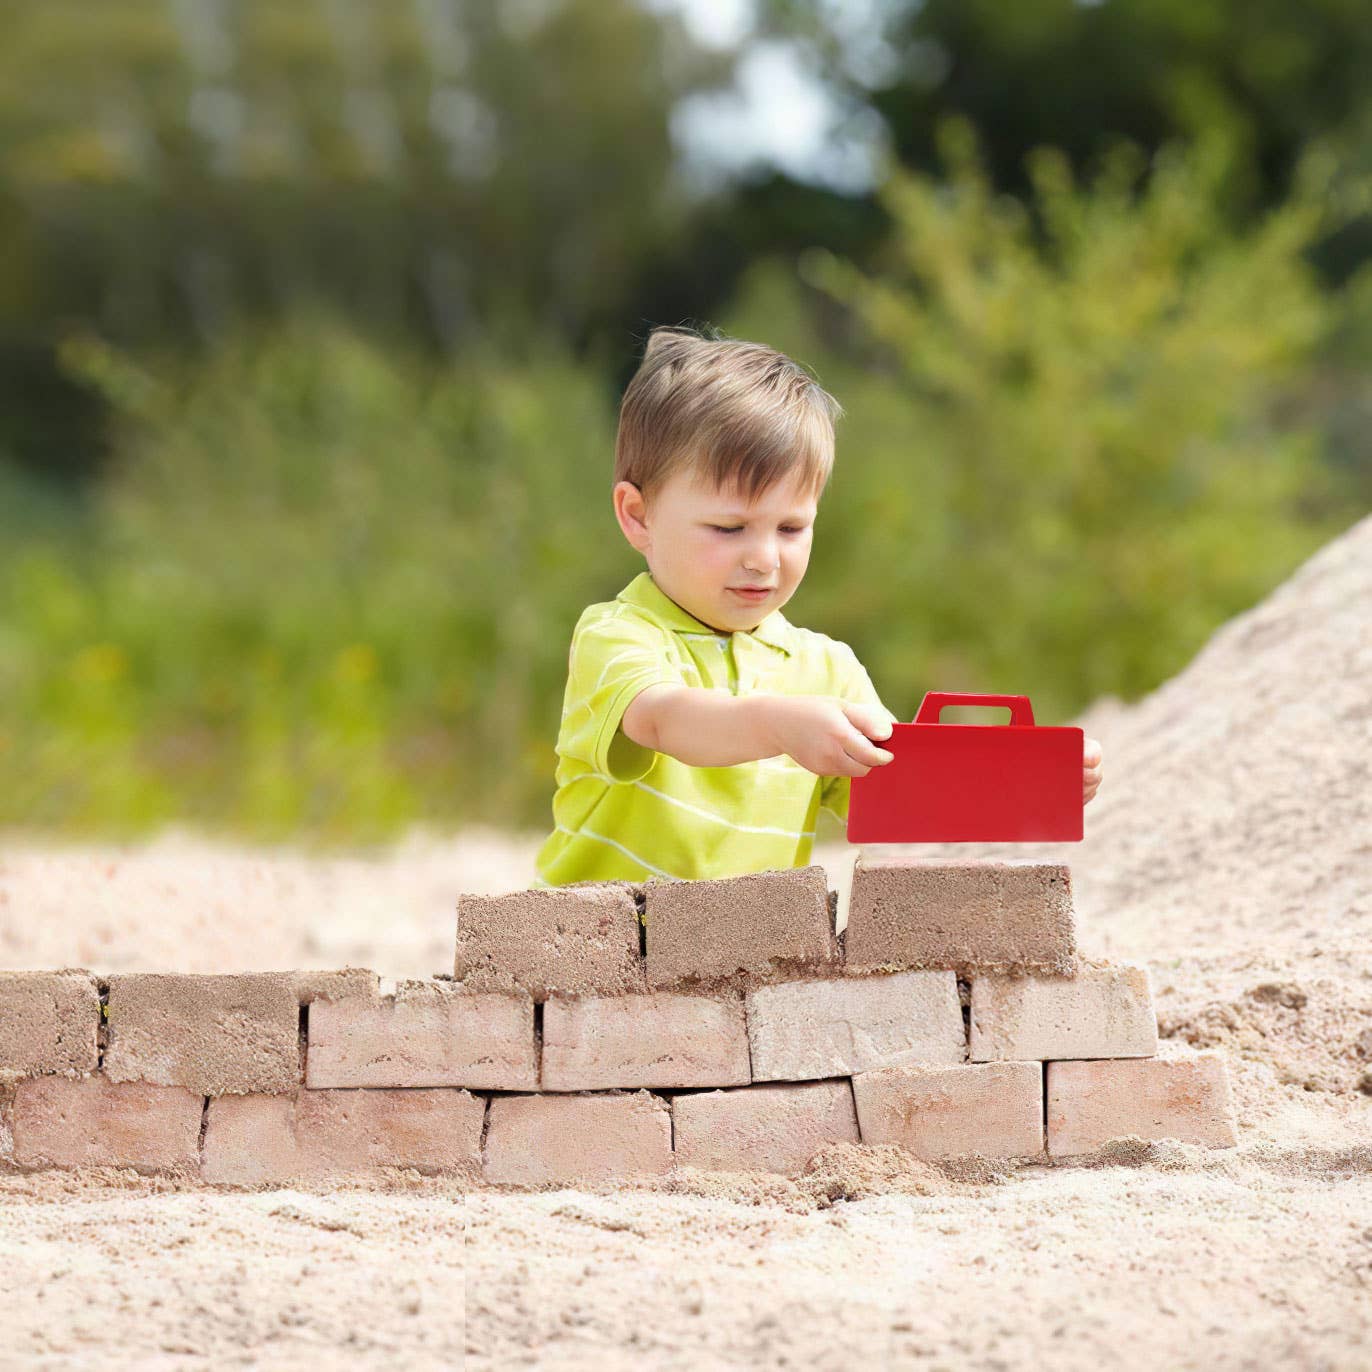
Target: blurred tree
x=466 y=174
x=1079 y=74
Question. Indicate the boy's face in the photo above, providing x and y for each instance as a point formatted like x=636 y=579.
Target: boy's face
x=703 y=546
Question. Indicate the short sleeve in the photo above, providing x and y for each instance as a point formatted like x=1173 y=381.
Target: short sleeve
x=854 y=685
x=610 y=662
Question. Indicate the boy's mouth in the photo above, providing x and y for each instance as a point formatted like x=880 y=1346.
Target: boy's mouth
x=761 y=593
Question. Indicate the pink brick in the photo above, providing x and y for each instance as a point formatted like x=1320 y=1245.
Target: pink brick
x=543 y=1140
x=803 y=1030
x=48 y=1022
x=93 y=1122
x=763 y=1128
x=212 y=1034
x=428 y=1033
x=251 y=1140
x=1184 y=1096
x=975 y=916
x=660 y=1039
x=995 y=1109
x=580 y=940
x=1105 y=1011
x=761 y=923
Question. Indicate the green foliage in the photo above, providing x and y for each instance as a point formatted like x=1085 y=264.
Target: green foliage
x=1072 y=445
x=167 y=168
x=327 y=589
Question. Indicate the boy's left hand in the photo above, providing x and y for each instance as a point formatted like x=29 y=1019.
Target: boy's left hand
x=1091 y=768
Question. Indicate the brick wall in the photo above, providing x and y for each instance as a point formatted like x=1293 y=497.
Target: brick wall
x=612 y=1030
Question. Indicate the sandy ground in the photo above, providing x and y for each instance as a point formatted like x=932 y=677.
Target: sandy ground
x=1230 y=848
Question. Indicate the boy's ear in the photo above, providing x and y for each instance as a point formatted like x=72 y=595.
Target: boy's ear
x=629 y=511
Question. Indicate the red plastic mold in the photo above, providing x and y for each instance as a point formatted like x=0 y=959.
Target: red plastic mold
x=969 y=783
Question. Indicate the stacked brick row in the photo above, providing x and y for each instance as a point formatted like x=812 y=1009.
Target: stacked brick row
x=610 y=1029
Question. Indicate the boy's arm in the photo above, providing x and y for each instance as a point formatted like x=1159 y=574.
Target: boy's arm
x=699 y=726
x=613 y=660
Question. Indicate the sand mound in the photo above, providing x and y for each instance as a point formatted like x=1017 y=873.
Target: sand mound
x=1237 y=798
x=1308 y=1032
x=1249 y=775
x=842 y=1172
x=1163 y=1155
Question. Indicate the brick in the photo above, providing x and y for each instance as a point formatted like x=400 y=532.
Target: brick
x=214 y=1035
x=994 y=1109
x=804 y=1030
x=580 y=940
x=661 y=1039
x=759 y=923
x=1184 y=1096
x=338 y=984
x=976 y=916
x=1105 y=1011
x=48 y=1022
x=425 y=1033
x=250 y=1140
x=429 y=1129
x=94 y=1122
x=541 y=1140
x=763 y=1128
x=257 y=1139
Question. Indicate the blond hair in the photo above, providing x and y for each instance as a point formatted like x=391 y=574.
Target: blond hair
x=732 y=413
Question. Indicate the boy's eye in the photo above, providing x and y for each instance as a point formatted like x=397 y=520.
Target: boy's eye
x=786 y=529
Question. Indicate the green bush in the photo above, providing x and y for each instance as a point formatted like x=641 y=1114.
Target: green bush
x=328 y=588
x=1078 y=435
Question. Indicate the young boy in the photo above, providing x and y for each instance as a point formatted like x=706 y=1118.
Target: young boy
x=701 y=730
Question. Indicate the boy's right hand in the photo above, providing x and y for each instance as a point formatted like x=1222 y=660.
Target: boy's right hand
x=829 y=736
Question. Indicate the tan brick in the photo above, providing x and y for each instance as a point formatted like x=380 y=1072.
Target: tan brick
x=333 y=985
x=761 y=923
x=538 y=1140
x=803 y=1030
x=48 y=1022
x=214 y=1035
x=975 y=916
x=763 y=1128
x=250 y=1140
x=93 y=1122
x=424 y=1033
x=994 y=1108
x=579 y=940
x=1184 y=1096
x=1105 y=1011
x=661 y=1039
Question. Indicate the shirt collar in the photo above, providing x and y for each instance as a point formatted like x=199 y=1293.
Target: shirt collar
x=644 y=592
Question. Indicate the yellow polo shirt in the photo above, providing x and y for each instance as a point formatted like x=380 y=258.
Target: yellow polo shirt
x=625 y=812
